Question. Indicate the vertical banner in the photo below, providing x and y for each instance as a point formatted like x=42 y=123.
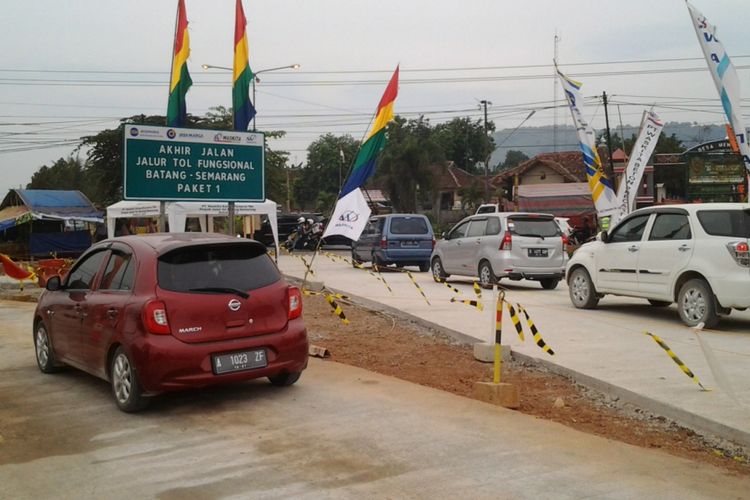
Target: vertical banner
x=725 y=78
x=350 y=216
x=651 y=127
x=601 y=188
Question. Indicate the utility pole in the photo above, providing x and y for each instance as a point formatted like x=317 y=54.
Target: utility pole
x=611 y=172
x=485 y=103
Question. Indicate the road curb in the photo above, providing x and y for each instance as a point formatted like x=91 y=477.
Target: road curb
x=697 y=423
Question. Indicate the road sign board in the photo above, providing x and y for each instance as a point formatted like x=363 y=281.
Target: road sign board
x=165 y=163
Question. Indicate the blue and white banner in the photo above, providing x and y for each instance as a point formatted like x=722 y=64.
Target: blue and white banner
x=350 y=216
x=651 y=127
x=602 y=191
x=725 y=78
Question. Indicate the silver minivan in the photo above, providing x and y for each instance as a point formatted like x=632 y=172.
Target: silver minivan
x=514 y=245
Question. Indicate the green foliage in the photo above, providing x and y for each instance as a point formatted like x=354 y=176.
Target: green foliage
x=319 y=182
x=513 y=158
x=471 y=196
x=465 y=142
x=403 y=171
x=65 y=173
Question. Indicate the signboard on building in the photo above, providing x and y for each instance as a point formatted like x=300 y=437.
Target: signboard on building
x=166 y=163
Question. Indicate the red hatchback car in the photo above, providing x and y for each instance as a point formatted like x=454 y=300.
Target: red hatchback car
x=163 y=312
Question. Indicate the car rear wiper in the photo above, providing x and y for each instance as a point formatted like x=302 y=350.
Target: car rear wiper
x=221 y=289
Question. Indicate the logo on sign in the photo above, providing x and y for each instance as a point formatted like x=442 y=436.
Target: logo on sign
x=191 y=135
x=349 y=216
x=227 y=138
x=235 y=305
x=134 y=131
x=171 y=133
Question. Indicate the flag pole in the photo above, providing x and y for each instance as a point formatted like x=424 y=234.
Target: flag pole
x=162 y=225
x=341 y=187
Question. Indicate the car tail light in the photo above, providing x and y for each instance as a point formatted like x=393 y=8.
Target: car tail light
x=433 y=243
x=507 y=243
x=565 y=242
x=740 y=251
x=384 y=242
x=295 y=302
x=155 y=318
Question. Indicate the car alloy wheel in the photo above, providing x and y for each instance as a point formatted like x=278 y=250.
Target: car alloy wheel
x=438 y=274
x=581 y=290
x=45 y=358
x=122 y=378
x=486 y=276
x=696 y=304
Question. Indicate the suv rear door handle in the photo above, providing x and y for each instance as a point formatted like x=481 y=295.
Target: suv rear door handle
x=633 y=248
x=112 y=313
x=683 y=248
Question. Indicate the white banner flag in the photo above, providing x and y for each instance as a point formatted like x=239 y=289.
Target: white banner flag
x=601 y=188
x=350 y=216
x=644 y=146
x=725 y=78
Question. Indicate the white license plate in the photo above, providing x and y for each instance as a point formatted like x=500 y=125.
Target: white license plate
x=239 y=361
x=409 y=243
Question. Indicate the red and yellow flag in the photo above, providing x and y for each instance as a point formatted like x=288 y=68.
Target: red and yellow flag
x=180 y=81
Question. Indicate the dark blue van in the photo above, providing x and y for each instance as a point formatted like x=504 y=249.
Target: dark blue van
x=400 y=239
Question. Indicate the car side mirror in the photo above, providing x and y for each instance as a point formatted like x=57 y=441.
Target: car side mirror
x=53 y=284
x=442 y=235
x=604 y=236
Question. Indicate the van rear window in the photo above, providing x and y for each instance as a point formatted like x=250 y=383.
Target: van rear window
x=526 y=226
x=409 y=225
x=734 y=223
x=240 y=267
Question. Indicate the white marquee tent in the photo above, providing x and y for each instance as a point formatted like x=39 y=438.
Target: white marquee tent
x=178 y=212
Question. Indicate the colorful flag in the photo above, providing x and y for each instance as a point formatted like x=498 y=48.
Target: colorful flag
x=725 y=78
x=644 y=146
x=364 y=165
x=180 y=81
x=244 y=111
x=600 y=185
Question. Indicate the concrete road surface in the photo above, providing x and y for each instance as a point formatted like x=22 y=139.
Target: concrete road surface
x=341 y=432
x=605 y=347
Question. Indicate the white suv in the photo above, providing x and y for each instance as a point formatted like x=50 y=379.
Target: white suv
x=696 y=255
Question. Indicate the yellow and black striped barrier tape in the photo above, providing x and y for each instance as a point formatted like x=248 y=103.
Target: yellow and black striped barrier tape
x=516 y=321
x=337 y=309
x=472 y=303
x=677 y=360
x=380 y=277
x=335 y=295
x=418 y=287
x=535 y=333
x=477 y=290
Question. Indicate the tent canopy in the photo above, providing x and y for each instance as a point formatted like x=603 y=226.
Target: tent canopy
x=53 y=204
x=178 y=211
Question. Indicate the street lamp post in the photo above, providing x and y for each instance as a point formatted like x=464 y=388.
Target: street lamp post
x=255 y=76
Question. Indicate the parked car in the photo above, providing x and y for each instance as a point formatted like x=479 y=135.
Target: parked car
x=696 y=255
x=163 y=312
x=400 y=239
x=514 y=245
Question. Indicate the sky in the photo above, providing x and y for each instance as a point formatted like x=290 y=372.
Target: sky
x=73 y=68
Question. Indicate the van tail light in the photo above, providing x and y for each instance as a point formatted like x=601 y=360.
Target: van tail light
x=565 y=242
x=507 y=243
x=155 y=318
x=740 y=251
x=294 y=297
x=384 y=242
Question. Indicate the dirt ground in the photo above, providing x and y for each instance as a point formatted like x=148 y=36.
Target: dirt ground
x=381 y=343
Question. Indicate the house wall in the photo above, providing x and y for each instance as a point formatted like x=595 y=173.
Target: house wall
x=541 y=175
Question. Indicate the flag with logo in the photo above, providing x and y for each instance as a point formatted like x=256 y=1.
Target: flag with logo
x=352 y=212
x=725 y=79
x=600 y=185
x=651 y=127
x=242 y=78
x=179 y=81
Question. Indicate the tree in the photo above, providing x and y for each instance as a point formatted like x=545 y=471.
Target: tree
x=413 y=146
x=328 y=161
x=65 y=173
x=466 y=143
x=513 y=158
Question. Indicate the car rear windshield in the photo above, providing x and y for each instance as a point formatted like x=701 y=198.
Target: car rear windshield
x=533 y=226
x=236 y=267
x=734 y=223
x=409 y=225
